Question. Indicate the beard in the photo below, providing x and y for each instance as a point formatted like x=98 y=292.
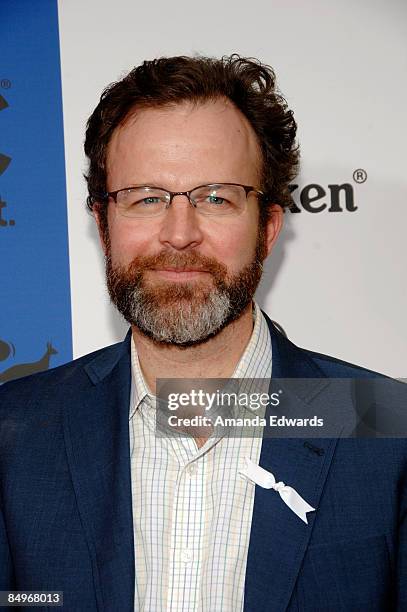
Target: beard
x=183 y=313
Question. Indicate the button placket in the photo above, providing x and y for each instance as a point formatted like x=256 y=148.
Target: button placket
x=186 y=544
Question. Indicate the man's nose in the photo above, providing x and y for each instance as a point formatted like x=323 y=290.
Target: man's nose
x=180 y=224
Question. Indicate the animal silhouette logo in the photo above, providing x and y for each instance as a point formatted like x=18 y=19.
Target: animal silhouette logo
x=24 y=369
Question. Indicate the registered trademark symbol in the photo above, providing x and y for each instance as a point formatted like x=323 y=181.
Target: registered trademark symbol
x=360 y=175
x=5 y=84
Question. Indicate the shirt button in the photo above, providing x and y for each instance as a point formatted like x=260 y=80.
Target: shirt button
x=186 y=556
x=192 y=469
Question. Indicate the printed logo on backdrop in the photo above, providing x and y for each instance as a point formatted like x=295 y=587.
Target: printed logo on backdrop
x=4 y=159
x=333 y=198
x=7 y=349
x=35 y=326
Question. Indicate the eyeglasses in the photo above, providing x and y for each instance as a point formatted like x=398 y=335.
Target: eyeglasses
x=217 y=199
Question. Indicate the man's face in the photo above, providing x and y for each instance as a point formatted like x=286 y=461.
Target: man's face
x=178 y=148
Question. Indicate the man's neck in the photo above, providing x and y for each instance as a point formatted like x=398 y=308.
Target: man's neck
x=216 y=358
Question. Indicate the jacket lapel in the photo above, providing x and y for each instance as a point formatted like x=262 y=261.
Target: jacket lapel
x=96 y=430
x=278 y=538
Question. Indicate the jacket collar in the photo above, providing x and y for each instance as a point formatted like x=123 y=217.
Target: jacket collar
x=107 y=359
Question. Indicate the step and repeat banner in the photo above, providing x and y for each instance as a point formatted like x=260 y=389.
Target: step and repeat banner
x=335 y=282
x=35 y=328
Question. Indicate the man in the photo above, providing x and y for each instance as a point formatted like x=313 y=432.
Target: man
x=190 y=161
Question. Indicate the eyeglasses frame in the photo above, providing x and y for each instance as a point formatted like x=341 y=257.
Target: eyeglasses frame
x=92 y=199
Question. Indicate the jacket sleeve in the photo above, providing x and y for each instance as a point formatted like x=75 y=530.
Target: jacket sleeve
x=6 y=566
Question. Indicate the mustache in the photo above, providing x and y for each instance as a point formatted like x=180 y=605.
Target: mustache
x=177 y=261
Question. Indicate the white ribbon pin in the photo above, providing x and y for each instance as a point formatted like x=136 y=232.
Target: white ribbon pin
x=266 y=479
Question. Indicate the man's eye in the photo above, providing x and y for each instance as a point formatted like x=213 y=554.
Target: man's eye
x=150 y=200
x=215 y=200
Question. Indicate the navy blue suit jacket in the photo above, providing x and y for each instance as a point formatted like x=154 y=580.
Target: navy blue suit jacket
x=65 y=492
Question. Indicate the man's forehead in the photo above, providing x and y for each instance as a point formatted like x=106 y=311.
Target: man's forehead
x=217 y=115
x=185 y=133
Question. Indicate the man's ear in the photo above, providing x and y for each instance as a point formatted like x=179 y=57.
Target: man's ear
x=274 y=225
x=100 y=216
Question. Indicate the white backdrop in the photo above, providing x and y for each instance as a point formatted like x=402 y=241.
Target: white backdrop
x=336 y=282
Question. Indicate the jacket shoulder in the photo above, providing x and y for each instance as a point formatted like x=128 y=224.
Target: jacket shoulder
x=306 y=363
x=27 y=388
x=332 y=366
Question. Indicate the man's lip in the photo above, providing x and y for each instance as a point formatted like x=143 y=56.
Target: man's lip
x=179 y=270
x=179 y=274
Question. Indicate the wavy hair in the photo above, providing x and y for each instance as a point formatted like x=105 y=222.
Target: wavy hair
x=248 y=83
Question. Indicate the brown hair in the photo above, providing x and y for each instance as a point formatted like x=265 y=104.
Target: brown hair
x=248 y=83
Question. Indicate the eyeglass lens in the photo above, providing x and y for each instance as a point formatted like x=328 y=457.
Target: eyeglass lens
x=219 y=199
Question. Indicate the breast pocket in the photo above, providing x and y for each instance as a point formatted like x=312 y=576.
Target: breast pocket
x=349 y=576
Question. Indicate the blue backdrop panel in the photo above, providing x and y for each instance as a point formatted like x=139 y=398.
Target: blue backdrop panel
x=35 y=324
